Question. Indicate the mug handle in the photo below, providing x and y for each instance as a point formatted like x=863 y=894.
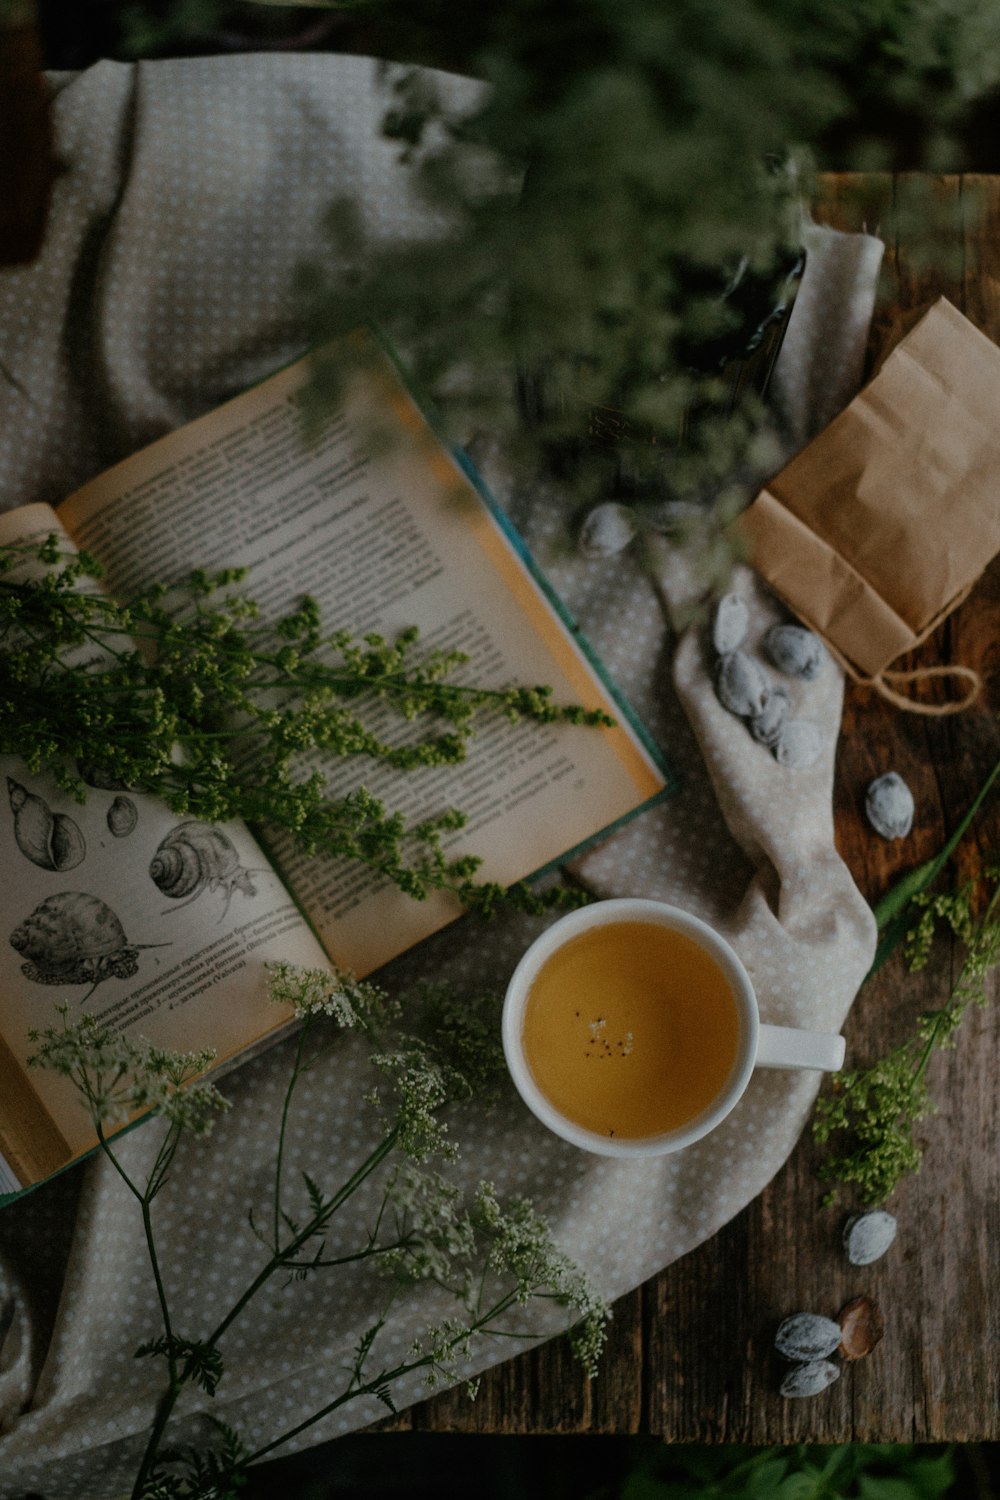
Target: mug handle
x=790 y=1047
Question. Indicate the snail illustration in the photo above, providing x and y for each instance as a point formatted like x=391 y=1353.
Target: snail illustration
x=74 y=938
x=123 y=815
x=50 y=840
x=195 y=857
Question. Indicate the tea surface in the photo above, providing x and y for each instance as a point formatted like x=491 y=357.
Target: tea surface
x=630 y=1029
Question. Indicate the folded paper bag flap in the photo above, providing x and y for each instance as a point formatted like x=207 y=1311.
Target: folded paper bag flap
x=822 y=587
x=882 y=524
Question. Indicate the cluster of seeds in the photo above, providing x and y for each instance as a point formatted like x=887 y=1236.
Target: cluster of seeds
x=744 y=688
x=810 y=1340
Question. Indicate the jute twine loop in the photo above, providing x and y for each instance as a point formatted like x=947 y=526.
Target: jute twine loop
x=882 y=684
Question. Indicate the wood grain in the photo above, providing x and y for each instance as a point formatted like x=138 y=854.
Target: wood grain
x=691 y=1350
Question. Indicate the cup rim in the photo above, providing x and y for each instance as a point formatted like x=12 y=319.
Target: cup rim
x=604 y=913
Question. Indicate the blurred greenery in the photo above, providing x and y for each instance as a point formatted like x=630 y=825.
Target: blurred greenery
x=612 y=222
x=437 y=1466
x=859 y=1471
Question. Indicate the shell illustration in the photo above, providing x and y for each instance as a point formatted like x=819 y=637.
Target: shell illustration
x=50 y=840
x=123 y=815
x=197 y=856
x=75 y=938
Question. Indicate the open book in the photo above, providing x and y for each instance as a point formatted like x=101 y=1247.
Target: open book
x=163 y=925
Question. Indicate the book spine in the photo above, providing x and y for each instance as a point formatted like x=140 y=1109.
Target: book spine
x=9 y=1180
x=31 y=1146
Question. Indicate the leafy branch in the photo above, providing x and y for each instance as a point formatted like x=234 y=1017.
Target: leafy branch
x=877 y=1108
x=186 y=692
x=491 y=1257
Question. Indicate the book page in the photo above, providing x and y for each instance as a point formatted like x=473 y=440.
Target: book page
x=154 y=923
x=379 y=523
x=157 y=925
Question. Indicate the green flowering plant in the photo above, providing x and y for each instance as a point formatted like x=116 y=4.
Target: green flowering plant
x=186 y=692
x=873 y=1111
x=494 y=1258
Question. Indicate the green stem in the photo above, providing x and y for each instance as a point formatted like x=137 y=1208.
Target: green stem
x=164 y=1411
x=929 y=1044
x=168 y=1399
x=178 y=1379
x=356 y=1389
x=144 y=1198
x=368 y=1253
x=286 y=1107
x=278 y=1260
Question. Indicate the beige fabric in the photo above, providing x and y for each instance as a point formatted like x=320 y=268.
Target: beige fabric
x=193 y=189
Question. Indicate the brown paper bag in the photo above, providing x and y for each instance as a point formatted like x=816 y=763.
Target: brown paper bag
x=880 y=527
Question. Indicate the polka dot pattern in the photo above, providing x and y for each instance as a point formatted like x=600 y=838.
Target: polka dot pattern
x=192 y=191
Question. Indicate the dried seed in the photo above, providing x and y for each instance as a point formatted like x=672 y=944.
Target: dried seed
x=729 y=624
x=795 y=650
x=889 y=806
x=766 y=726
x=809 y=1379
x=861 y=1328
x=741 y=685
x=799 y=743
x=868 y=1236
x=607 y=529
x=806 y=1336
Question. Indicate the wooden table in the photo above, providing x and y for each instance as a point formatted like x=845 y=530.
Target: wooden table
x=690 y=1355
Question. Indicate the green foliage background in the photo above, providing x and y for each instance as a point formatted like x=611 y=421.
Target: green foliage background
x=629 y=158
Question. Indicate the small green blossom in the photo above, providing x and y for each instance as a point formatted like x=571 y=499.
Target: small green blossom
x=119 y=1078
x=315 y=992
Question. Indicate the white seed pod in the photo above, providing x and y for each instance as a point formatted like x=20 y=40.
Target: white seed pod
x=741 y=685
x=807 y=1336
x=799 y=743
x=889 y=806
x=795 y=651
x=810 y=1379
x=868 y=1236
x=607 y=530
x=766 y=726
x=729 y=624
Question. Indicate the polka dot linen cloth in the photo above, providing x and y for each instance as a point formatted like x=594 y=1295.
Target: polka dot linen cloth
x=191 y=192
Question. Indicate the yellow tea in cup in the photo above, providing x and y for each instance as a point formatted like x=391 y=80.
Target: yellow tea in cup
x=630 y=1029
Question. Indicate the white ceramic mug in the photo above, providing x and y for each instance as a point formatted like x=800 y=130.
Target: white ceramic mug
x=758 y=1045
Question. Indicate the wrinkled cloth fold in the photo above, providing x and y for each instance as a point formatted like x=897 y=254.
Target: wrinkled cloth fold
x=193 y=190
